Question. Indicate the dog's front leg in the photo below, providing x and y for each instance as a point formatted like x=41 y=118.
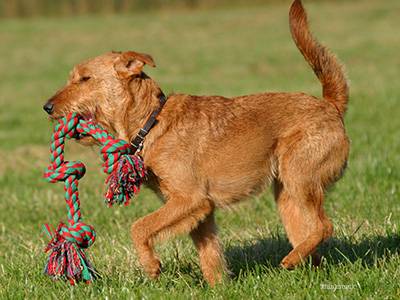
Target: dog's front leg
x=207 y=242
x=177 y=216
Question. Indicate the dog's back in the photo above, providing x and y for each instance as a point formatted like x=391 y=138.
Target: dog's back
x=260 y=137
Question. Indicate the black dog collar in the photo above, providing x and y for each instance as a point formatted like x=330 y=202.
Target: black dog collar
x=137 y=143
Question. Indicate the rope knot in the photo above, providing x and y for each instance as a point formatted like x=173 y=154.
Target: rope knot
x=64 y=170
x=111 y=153
x=79 y=233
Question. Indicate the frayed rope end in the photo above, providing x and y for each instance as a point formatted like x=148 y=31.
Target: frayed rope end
x=67 y=260
x=124 y=182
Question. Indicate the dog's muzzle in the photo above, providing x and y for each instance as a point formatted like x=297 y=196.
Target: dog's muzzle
x=48 y=107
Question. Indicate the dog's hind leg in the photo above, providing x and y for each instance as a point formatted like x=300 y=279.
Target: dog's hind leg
x=178 y=215
x=309 y=161
x=207 y=242
x=305 y=222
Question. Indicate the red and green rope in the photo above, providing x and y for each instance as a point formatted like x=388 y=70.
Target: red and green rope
x=68 y=243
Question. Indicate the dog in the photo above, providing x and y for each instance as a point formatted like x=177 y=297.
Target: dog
x=207 y=152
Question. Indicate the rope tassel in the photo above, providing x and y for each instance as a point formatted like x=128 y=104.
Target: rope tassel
x=124 y=182
x=68 y=243
x=67 y=259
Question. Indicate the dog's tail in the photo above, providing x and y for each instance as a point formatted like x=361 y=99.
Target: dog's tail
x=330 y=72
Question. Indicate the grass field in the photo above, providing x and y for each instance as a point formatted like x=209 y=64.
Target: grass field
x=229 y=52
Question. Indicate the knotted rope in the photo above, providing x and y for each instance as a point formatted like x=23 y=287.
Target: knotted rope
x=127 y=173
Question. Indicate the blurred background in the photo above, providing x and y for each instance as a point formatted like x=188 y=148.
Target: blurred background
x=29 y=8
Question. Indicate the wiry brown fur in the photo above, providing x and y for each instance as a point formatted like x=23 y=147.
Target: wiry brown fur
x=207 y=152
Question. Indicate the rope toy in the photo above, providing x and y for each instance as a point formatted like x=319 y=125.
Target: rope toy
x=68 y=243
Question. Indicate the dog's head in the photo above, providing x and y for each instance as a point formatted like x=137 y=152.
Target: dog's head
x=98 y=89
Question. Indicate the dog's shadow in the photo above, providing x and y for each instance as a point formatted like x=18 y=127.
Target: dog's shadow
x=268 y=252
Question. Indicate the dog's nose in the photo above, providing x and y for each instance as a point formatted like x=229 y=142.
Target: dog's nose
x=48 y=107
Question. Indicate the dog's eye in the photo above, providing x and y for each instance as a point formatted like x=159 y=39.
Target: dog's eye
x=83 y=79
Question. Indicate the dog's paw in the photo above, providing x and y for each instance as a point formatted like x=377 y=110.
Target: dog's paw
x=153 y=270
x=290 y=262
x=285 y=265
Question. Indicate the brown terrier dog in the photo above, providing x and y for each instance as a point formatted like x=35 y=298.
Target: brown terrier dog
x=207 y=152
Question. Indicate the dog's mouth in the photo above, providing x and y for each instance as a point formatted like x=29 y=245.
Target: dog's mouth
x=88 y=117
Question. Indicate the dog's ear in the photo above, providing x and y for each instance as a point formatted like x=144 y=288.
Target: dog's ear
x=131 y=63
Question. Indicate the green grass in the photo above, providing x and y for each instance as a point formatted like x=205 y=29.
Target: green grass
x=229 y=52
